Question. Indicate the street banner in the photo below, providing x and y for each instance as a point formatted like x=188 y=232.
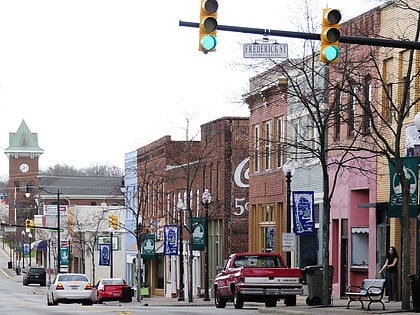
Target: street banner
x=26 y=249
x=148 y=246
x=303 y=212
x=64 y=256
x=410 y=166
x=199 y=233
x=104 y=254
x=170 y=240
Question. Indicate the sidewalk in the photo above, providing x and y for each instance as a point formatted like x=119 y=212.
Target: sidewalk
x=337 y=307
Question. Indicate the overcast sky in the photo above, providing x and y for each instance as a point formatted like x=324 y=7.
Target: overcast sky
x=99 y=78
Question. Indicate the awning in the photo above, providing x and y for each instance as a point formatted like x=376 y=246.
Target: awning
x=39 y=245
x=360 y=230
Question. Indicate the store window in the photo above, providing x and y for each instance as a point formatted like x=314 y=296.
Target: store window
x=360 y=247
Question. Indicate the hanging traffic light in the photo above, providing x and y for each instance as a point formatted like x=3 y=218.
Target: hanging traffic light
x=113 y=221
x=28 y=225
x=208 y=25
x=330 y=35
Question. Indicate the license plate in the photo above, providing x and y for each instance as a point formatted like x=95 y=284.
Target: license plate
x=74 y=287
x=116 y=294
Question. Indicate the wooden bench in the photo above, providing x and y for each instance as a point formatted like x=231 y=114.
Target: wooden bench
x=371 y=290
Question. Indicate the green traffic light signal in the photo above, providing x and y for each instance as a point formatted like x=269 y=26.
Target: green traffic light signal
x=208 y=25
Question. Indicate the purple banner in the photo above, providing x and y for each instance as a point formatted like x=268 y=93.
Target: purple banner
x=170 y=243
x=303 y=212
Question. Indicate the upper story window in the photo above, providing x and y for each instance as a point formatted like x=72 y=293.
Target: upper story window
x=267 y=145
x=280 y=136
x=256 y=147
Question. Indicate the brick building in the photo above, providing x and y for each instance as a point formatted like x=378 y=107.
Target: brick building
x=165 y=171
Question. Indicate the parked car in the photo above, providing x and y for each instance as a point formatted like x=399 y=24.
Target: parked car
x=70 y=288
x=35 y=275
x=110 y=289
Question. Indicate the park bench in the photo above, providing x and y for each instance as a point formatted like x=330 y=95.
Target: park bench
x=371 y=290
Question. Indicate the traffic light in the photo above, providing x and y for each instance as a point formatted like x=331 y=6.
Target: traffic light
x=330 y=35
x=208 y=25
x=113 y=221
x=28 y=225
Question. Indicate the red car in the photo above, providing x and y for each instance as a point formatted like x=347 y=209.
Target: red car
x=110 y=289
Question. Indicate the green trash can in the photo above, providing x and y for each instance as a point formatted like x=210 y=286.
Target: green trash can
x=314 y=279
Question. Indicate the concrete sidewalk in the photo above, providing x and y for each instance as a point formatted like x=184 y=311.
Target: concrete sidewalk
x=338 y=306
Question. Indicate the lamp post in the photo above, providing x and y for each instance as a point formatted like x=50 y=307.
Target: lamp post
x=206 y=199
x=58 y=228
x=30 y=250
x=69 y=239
x=181 y=206
x=23 y=248
x=288 y=171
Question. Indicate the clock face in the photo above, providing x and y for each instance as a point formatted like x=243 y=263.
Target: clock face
x=24 y=168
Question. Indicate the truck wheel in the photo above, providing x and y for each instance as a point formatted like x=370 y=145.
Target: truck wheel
x=238 y=301
x=272 y=302
x=219 y=301
x=290 y=300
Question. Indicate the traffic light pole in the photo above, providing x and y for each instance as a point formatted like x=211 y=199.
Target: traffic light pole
x=343 y=39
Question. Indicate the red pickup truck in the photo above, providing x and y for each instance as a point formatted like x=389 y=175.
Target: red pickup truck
x=257 y=277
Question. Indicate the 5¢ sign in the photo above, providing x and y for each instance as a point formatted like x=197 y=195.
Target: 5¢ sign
x=241 y=178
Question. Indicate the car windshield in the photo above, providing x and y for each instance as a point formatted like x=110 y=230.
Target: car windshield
x=72 y=278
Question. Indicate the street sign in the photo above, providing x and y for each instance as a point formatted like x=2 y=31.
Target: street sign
x=288 y=242
x=265 y=50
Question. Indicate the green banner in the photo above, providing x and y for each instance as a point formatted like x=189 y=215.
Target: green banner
x=64 y=256
x=148 y=246
x=410 y=165
x=199 y=233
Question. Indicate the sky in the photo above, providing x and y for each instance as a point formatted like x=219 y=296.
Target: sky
x=96 y=79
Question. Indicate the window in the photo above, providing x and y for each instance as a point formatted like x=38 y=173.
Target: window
x=360 y=247
x=337 y=108
x=351 y=112
x=367 y=113
x=256 y=143
x=279 y=141
x=267 y=145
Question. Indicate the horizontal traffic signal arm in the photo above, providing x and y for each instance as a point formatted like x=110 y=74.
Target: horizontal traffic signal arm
x=32 y=227
x=343 y=39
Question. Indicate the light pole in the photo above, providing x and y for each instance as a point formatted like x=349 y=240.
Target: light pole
x=69 y=239
x=23 y=248
x=181 y=206
x=206 y=199
x=288 y=171
x=30 y=250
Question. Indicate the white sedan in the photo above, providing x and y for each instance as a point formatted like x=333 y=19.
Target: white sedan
x=70 y=288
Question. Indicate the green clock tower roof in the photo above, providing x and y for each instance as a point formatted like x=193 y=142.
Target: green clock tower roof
x=23 y=141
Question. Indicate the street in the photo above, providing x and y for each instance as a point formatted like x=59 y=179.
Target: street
x=15 y=298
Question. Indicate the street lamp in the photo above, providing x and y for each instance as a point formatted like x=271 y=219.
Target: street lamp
x=23 y=248
x=30 y=250
x=181 y=206
x=69 y=239
x=206 y=199
x=288 y=171
x=58 y=228
x=417 y=121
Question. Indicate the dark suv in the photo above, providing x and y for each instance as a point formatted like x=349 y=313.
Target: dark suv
x=35 y=275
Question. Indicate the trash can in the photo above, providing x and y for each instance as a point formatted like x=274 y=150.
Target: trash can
x=415 y=292
x=127 y=294
x=314 y=276
x=9 y=265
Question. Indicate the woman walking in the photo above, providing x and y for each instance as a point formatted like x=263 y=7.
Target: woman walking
x=391 y=267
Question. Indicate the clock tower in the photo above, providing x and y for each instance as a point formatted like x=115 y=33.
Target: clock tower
x=23 y=153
